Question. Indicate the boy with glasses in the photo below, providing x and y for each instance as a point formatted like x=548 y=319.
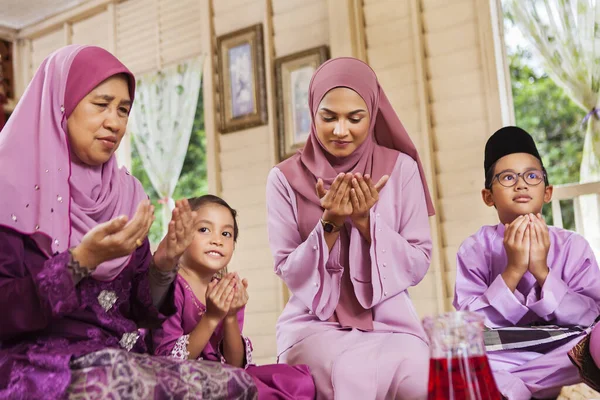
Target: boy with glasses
x=522 y=273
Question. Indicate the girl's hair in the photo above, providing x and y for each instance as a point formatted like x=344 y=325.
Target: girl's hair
x=197 y=202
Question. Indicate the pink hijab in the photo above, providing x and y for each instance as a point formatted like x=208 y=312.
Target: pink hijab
x=44 y=194
x=376 y=156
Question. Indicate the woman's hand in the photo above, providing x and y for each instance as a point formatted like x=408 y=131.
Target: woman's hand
x=364 y=194
x=182 y=228
x=240 y=299
x=336 y=200
x=115 y=238
x=219 y=296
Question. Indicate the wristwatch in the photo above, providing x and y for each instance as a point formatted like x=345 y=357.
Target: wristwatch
x=329 y=226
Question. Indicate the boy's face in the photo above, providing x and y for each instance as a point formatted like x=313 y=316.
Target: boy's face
x=522 y=198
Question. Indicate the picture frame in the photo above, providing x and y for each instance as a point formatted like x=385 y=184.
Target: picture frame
x=293 y=74
x=7 y=76
x=242 y=85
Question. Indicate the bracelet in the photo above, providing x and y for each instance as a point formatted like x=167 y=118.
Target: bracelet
x=77 y=269
x=161 y=276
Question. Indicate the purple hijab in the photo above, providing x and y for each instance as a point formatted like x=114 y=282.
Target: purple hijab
x=44 y=194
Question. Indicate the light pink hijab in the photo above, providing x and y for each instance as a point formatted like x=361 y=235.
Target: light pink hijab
x=44 y=194
x=376 y=156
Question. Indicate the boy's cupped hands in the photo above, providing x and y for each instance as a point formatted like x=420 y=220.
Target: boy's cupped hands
x=527 y=243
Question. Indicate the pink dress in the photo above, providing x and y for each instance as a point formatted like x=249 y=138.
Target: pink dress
x=273 y=381
x=390 y=362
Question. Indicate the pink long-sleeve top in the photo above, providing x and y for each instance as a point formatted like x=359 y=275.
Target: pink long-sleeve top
x=381 y=272
x=569 y=296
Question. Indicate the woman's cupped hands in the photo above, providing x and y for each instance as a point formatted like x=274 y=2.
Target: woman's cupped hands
x=350 y=195
x=121 y=236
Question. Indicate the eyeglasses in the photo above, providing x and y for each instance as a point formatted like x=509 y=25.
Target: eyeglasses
x=509 y=179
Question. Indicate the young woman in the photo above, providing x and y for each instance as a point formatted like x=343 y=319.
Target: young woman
x=349 y=232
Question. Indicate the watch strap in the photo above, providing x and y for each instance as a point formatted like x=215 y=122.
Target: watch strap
x=329 y=226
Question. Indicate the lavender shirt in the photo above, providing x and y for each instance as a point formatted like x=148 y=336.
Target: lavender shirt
x=570 y=295
x=381 y=272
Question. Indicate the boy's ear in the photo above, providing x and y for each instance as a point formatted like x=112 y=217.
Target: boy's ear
x=488 y=199
x=548 y=194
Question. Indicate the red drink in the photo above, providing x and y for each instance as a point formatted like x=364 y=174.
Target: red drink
x=466 y=378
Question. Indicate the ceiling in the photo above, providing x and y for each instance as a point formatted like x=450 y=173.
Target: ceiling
x=17 y=14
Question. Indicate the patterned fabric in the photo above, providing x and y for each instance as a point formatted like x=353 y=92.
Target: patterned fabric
x=249 y=349
x=529 y=337
x=115 y=374
x=47 y=322
x=580 y=356
x=180 y=349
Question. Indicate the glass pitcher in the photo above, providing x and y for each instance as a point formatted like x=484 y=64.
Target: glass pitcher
x=458 y=367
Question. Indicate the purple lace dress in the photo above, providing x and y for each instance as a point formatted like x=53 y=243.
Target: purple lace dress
x=87 y=341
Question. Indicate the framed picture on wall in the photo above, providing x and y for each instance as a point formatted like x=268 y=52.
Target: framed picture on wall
x=242 y=87
x=293 y=74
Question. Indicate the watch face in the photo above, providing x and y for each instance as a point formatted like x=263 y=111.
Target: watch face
x=328 y=227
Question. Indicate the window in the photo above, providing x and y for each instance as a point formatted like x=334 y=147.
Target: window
x=543 y=109
x=192 y=181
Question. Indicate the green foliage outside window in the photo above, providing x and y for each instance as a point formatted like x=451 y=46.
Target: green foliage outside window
x=192 y=181
x=544 y=110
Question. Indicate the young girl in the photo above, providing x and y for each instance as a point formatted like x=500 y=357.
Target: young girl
x=210 y=311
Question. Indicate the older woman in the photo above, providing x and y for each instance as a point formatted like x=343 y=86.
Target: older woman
x=348 y=228
x=77 y=279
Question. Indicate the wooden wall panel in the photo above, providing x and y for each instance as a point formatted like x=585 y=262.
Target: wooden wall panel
x=299 y=25
x=444 y=17
x=137 y=36
x=93 y=31
x=42 y=46
x=180 y=34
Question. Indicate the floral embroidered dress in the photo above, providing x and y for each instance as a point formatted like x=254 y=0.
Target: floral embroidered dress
x=277 y=381
x=58 y=340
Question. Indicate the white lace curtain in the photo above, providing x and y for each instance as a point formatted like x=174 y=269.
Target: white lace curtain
x=566 y=37
x=161 y=124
